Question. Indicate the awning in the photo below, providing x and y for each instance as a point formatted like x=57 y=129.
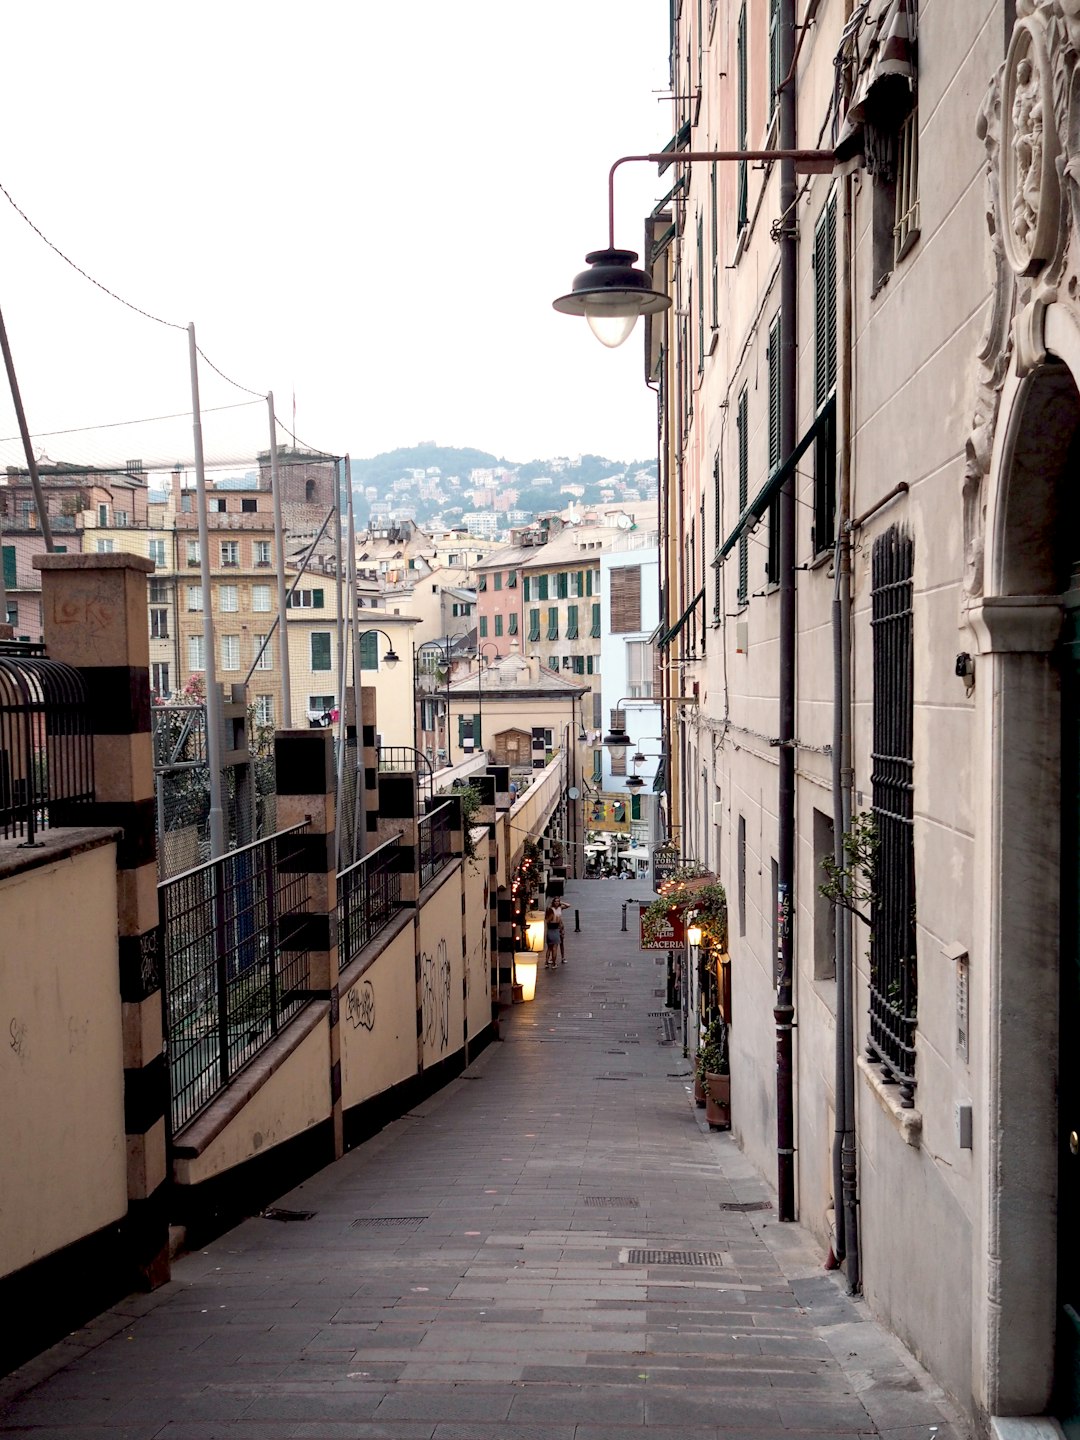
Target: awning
x=878 y=71
x=761 y=501
x=669 y=635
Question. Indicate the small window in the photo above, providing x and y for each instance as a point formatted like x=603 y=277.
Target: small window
x=159 y=624
x=156 y=552
x=264 y=709
x=218 y=504
x=159 y=678
x=249 y=506
x=262 y=552
x=265 y=653
x=229 y=599
x=230 y=552
x=157 y=591
x=230 y=652
x=260 y=598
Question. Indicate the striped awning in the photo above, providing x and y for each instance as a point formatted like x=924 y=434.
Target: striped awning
x=877 y=75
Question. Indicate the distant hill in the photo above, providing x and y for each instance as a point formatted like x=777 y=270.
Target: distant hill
x=446 y=481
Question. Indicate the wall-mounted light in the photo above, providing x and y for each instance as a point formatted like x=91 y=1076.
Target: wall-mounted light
x=693 y=934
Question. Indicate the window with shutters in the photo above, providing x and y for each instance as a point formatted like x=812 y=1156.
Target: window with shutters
x=534 y=624
x=498 y=579
x=525 y=588
x=714 y=247
x=594 y=629
x=512 y=624
x=772 y=564
x=541 y=587
x=498 y=624
x=701 y=295
x=571 y=622
x=511 y=580
x=10 y=576
x=717 y=597
x=483 y=627
x=590 y=587
x=776 y=75
x=553 y=622
x=320 y=649
x=825 y=365
x=307 y=600
x=577 y=583
x=579 y=664
x=562 y=585
x=625 y=599
x=742 y=122
x=742 y=424
x=369 y=651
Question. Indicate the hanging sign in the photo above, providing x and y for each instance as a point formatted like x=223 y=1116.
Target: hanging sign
x=670 y=934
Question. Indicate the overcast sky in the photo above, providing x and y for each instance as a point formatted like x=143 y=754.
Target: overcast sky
x=372 y=202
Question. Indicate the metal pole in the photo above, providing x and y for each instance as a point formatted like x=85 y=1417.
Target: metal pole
x=360 y=806
x=784 y=1009
x=28 y=449
x=214 y=716
x=279 y=560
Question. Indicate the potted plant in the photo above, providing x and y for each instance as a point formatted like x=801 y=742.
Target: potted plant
x=713 y=1070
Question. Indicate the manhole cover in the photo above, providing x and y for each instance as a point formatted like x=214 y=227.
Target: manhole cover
x=606 y=1202
x=379 y=1221
x=743 y=1207
x=279 y=1214
x=699 y=1259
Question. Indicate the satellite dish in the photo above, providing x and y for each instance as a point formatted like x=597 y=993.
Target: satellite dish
x=623 y=522
x=573 y=792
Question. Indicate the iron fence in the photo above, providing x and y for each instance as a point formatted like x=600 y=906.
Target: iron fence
x=46 y=748
x=369 y=894
x=232 y=974
x=433 y=842
x=406 y=759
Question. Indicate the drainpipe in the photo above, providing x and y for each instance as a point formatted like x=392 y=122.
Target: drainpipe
x=784 y=1009
x=845 y=967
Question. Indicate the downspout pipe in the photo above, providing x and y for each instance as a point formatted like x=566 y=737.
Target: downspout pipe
x=784 y=1008
x=845 y=966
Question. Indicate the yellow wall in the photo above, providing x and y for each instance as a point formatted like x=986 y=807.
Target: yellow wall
x=378 y=1023
x=477 y=939
x=63 y=1159
x=441 y=972
x=293 y=1099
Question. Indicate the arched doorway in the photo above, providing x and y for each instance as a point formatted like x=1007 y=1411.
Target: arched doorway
x=1028 y=698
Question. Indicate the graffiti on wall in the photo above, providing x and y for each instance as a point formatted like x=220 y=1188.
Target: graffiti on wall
x=361 y=1006
x=435 y=981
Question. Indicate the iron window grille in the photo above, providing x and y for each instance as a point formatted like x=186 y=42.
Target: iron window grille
x=893 y=958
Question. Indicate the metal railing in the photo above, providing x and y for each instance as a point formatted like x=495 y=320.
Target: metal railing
x=405 y=759
x=433 y=842
x=233 y=975
x=46 y=748
x=369 y=894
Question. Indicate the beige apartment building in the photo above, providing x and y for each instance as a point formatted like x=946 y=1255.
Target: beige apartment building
x=870 y=415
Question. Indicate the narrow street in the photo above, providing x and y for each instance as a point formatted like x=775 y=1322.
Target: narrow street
x=554 y=1247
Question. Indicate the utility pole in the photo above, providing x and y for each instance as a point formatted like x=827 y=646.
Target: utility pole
x=279 y=559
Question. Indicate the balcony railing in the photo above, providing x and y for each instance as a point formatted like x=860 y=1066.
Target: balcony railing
x=233 y=976
x=434 y=842
x=369 y=894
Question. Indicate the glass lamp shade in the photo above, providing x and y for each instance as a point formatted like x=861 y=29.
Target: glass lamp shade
x=693 y=934
x=635 y=782
x=391 y=658
x=611 y=294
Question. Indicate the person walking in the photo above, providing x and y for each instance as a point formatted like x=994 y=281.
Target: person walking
x=552 y=937
x=558 y=906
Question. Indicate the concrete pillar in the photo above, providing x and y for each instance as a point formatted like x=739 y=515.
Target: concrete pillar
x=370 y=767
x=304 y=770
x=95 y=619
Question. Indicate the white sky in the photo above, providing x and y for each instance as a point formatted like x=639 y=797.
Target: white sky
x=374 y=202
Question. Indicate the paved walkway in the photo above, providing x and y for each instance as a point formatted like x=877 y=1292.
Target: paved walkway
x=496 y=1266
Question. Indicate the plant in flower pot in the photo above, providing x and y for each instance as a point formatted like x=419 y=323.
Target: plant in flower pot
x=712 y=1067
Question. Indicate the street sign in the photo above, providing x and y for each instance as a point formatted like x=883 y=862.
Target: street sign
x=670 y=934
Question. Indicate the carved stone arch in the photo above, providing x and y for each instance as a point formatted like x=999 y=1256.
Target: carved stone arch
x=1031 y=514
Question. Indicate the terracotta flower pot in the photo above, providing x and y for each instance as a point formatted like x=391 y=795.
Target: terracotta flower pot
x=699 y=1091
x=718 y=1101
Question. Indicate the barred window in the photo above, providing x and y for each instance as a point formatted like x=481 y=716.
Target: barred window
x=893 y=963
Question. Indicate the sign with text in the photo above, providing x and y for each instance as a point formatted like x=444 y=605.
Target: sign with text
x=670 y=935
x=608 y=812
x=666 y=860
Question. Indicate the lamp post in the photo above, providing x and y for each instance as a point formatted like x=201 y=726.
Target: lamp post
x=444 y=649
x=480 y=649
x=611 y=294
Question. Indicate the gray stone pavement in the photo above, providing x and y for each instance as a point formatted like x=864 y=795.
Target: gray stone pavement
x=494 y=1266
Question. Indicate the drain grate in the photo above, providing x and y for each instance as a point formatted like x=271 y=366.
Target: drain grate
x=379 y=1221
x=607 y=1202
x=279 y=1214
x=743 y=1207
x=699 y=1259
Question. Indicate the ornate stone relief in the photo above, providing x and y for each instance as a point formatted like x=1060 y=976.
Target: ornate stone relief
x=1029 y=123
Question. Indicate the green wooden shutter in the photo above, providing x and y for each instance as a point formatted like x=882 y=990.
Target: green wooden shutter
x=369 y=651
x=825 y=304
x=553 y=622
x=742 y=213
x=318 y=599
x=588 y=582
x=10 y=576
x=571 y=622
x=512 y=626
x=534 y=624
x=594 y=630
x=320 y=650
x=525 y=588
x=772 y=563
x=562 y=585
x=498 y=624
x=635 y=807
x=542 y=588
x=483 y=627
